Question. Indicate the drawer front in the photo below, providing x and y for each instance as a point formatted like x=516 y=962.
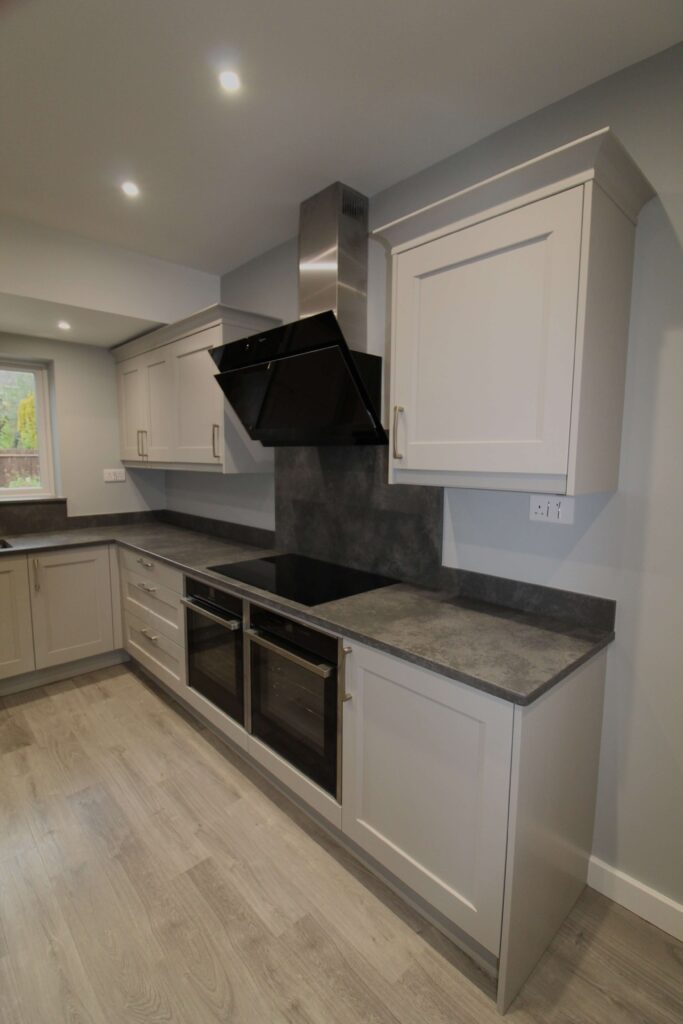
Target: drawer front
x=151 y=569
x=156 y=604
x=160 y=656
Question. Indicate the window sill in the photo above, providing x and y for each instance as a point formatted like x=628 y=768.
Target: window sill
x=26 y=499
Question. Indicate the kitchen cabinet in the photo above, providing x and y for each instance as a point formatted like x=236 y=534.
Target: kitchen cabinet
x=426 y=779
x=145 y=407
x=16 y=631
x=71 y=605
x=482 y=808
x=510 y=326
x=172 y=412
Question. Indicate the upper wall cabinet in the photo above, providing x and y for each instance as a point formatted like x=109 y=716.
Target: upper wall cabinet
x=510 y=313
x=172 y=412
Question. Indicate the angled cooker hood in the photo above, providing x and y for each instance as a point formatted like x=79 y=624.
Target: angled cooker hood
x=301 y=384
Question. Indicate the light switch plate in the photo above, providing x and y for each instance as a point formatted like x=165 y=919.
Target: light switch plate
x=551 y=508
x=114 y=476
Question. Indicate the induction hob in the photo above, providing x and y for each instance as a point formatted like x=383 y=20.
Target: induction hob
x=308 y=581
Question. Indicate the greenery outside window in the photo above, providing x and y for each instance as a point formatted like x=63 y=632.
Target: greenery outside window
x=25 y=442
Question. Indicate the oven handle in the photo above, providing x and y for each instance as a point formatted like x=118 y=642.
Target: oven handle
x=322 y=670
x=231 y=624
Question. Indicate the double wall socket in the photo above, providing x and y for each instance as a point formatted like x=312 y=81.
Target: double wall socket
x=114 y=476
x=551 y=508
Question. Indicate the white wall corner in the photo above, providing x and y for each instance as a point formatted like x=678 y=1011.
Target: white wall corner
x=640 y=899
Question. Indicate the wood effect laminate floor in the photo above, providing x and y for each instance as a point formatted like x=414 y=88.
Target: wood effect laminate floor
x=148 y=874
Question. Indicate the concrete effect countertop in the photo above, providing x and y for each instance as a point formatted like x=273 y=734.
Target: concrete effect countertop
x=509 y=654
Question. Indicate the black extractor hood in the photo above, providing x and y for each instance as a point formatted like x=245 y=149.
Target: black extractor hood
x=301 y=384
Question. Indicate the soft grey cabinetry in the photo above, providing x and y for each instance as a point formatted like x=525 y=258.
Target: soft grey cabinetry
x=510 y=312
x=71 y=602
x=172 y=412
x=16 y=633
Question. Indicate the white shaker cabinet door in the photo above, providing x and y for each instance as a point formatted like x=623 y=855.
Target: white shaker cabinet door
x=16 y=634
x=426 y=779
x=132 y=409
x=159 y=402
x=199 y=400
x=483 y=345
x=72 y=605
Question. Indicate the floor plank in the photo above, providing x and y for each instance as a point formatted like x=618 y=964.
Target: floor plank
x=148 y=874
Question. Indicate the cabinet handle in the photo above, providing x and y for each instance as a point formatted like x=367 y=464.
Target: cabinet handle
x=36 y=577
x=150 y=637
x=397 y=409
x=139 y=443
x=147 y=565
x=146 y=587
x=145 y=450
x=345 y=651
x=214 y=440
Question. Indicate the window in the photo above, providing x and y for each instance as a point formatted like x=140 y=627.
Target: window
x=25 y=444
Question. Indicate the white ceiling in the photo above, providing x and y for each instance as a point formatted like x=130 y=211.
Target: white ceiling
x=367 y=91
x=38 y=318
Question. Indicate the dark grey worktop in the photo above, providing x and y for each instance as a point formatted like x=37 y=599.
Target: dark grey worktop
x=513 y=655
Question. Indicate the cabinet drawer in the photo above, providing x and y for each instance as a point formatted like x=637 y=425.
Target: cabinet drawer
x=156 y=604
x=160 y=656
x=149 y=568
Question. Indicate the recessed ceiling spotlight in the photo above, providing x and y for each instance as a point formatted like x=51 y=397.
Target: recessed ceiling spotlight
x=64 y=325
x=130 y=189
x=230 y=81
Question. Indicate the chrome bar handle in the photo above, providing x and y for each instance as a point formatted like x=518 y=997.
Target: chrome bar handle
x=345 y=651
x=319 y=669
x=232 y=624
x=147 y=565
x=138 y=433
x=150 y=637
x=145 y=450
x=397 y=409
x=214 y=440
x=36 y=577
x=147 y=588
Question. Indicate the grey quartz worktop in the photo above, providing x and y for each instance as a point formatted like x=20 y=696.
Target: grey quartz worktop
x=513 y=655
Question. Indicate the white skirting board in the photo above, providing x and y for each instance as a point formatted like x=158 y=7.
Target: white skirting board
x=640 y=899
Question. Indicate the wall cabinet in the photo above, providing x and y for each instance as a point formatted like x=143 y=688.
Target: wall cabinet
x=426 y=785
x=16 y=630
x=71 y=603
x=172 y=412
x=510 y=326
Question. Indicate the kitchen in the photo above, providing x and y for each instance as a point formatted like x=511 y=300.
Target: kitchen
x=198 y=851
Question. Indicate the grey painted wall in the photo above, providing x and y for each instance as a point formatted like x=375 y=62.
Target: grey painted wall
x=628 y=545
x=86 y=429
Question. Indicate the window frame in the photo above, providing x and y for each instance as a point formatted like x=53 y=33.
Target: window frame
x=44 y=432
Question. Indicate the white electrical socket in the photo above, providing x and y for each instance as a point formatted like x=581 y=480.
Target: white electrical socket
x=114 y=476
x=551 y=508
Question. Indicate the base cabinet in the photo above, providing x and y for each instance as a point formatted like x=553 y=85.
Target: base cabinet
x=426 y=780
x=16 y=631
x=71 y=603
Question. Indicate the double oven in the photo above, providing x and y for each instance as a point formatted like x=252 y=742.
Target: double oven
x=278 y=678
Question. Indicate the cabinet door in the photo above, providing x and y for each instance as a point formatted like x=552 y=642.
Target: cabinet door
x=426 y=780
x=158 y=401
x=16 y=634
x=483 y=347
x=199 y=401
x=132 y=414
x=72 y=605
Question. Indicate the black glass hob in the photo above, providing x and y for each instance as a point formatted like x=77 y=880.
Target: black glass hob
x=306 y=580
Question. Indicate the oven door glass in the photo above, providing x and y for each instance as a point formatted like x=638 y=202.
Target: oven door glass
x=294 y=711
x=215 y=662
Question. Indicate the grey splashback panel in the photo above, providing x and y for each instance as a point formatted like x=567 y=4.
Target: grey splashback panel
x=335 y=504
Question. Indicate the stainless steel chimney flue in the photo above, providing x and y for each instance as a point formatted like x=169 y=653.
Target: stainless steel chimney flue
x=333 y=259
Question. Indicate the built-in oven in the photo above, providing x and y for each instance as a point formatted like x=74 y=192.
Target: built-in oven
x=215 y=658
x=292 y=681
